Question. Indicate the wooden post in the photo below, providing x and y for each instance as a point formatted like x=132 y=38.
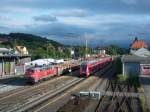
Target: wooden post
x=123 y=69
x=2 y=67
x=14 y=67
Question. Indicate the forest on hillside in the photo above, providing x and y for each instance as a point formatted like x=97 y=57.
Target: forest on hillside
x=41 y=47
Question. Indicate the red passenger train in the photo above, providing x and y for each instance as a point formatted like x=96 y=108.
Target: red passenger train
x=89 y=67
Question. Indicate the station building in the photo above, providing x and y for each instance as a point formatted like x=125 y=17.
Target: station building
x=12 y=64
x=138 y=61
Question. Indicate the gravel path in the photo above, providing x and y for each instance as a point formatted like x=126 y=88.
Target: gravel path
x=9 y=84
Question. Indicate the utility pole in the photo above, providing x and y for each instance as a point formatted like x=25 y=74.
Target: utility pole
x=86 y=48
x=47 y=50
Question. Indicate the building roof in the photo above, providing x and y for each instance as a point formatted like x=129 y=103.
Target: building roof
x=134 y=58
x=5 y=50
x=139 y=44
x=20 y=48
x=142 y=52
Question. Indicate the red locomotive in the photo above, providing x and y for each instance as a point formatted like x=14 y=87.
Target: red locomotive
x=89 y=67
x=35 y=74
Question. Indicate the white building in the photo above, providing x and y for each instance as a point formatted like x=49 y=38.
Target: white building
x=100 y=50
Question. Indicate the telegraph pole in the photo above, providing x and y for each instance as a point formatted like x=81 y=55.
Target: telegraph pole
x=47 y=50
x=86 y=48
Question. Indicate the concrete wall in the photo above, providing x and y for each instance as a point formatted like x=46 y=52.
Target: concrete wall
x=131 y=68
x=6 y=67
x=24 y=60
x=20 y=70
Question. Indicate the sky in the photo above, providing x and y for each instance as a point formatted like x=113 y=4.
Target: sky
x=100 y=22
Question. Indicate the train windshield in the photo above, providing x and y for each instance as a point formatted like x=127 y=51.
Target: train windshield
x=30 y=70
x=83 y=66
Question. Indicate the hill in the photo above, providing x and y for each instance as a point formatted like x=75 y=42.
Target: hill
x=39 y=47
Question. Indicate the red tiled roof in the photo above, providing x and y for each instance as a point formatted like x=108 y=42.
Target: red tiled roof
x=139 y=44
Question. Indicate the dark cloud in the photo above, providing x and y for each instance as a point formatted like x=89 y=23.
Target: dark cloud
x=117 y=33
x=119 y=20
x=45 y=18
x=66 y=34
x=4 y=28
x=96 y=6
x=71 y=13
x=58 y=29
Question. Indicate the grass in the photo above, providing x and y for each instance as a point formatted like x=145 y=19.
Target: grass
x=121 y=77
x=143 y=103
x=131 y=80
x=134 y=81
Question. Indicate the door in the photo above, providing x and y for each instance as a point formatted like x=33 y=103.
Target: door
x=132 y=69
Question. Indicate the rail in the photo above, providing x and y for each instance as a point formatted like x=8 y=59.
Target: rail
x=46 y=96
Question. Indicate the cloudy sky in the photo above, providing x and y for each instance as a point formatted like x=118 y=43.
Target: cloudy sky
x=101 y=22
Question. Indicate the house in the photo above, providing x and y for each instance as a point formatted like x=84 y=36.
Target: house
x=22 y=50
x=5 y=51
x=134 y=65
x=100 y=50
x=137 y=44
x=142 y=52
x=11 y=63
x=138 y=61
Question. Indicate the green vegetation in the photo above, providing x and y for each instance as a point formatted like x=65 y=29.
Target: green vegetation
x=118 y=64
x=40 y=47
x=81 y=51
x=116 y=50
x=143 y=103
x=131 y=80
x=121 y=77
x=134 y=81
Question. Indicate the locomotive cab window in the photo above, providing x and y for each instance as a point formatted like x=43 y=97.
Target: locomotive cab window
x=83 y=66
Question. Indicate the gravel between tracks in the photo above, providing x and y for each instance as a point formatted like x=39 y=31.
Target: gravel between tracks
x=20 y=98
x=90 y=84
x=120 y=100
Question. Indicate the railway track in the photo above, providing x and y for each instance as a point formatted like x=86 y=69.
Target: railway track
x=11 y=84
x=46 y=96
x=18 y=99
x=119 y=101
x=86 y=85
x=30 y=87
x=2 y=86
x=26 y=99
